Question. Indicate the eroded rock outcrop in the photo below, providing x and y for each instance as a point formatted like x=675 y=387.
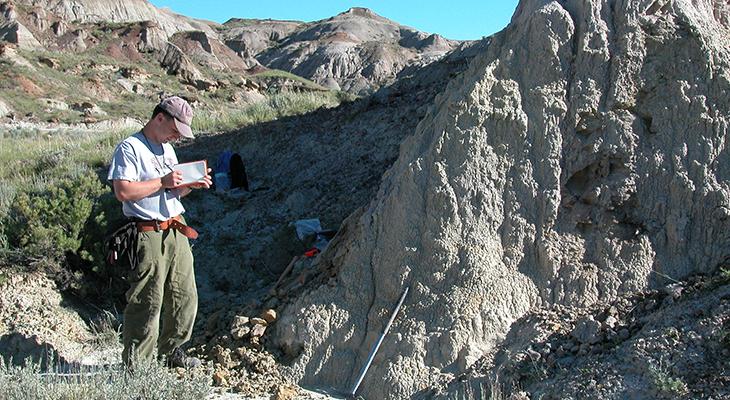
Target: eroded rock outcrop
x=117 y=11
x=358 y=49
x=249 y=37
x=204 y=50
x=16 y=33
x=177 y=63
x=581 y=156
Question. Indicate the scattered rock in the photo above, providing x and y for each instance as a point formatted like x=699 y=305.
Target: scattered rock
x=49 y=62
x=87 y=108
x=219 y=377
x=204 y=84
x=587 y=330
x=258 y=330
x=269 y=316
x=521 y=395
x=610 y=322
x=286 y=392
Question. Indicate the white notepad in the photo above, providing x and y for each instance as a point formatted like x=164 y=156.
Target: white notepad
x=193 y=172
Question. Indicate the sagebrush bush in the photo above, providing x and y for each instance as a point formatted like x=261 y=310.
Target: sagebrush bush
x=62 y=229
x=147 y=381
x=50 y=222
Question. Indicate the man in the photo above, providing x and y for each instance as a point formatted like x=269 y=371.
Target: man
x=162 y=285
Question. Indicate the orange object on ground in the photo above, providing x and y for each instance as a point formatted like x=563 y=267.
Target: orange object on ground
x=311 y=252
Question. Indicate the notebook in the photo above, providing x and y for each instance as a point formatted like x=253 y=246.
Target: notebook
x=193 y=172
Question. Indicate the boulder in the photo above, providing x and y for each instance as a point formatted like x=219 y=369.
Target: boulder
x=54 y=104
x=258 y=330
x=5 y=110
x=177 y=63
x=16 y=33
x=269 y=316
x=240 y=327
x=49 y=62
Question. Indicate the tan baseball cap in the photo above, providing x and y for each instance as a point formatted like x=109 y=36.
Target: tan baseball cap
x=181 y=112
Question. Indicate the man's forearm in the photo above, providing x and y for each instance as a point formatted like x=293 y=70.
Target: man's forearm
x=133 y=191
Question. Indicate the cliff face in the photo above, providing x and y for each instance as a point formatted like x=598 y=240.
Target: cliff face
x=581 y=156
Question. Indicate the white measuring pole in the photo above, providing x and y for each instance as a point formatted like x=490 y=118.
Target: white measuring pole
x=377 y=344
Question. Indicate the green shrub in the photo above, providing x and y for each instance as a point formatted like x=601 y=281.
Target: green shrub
x=61 y=229
x=665 y=383
x=148 y=381
x=50 y=222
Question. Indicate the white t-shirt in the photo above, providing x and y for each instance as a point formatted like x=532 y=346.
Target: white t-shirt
x=136 y=159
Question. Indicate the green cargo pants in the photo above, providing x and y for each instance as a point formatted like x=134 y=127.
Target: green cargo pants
x=162 y=288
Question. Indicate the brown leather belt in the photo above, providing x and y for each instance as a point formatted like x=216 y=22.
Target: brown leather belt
x=172 y=223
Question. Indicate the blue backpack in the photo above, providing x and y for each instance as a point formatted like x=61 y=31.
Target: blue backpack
x=232 y=164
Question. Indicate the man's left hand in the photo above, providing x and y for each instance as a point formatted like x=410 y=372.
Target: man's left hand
x=205 y=183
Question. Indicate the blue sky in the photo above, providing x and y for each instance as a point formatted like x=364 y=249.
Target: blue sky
x=454 y=19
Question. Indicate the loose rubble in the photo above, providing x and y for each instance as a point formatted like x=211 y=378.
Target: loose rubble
x=237 y=355
x=669 y=343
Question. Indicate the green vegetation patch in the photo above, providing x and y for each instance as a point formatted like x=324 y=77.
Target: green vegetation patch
x=279 y=74
x=55 y=205
x=147 y=381
x=274 y=107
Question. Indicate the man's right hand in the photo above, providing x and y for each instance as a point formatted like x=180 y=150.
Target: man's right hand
x=172 y=180
x=133 y=191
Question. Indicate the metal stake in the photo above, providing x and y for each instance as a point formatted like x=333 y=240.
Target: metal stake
x=376 y=346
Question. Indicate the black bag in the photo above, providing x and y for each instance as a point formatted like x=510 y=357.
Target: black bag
x=121 y=245
x=237 y=172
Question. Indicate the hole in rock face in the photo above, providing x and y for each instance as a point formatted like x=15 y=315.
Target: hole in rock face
x=579 y=181
x=593 y=174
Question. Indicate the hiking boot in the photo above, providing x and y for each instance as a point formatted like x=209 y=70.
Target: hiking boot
x=179 y=359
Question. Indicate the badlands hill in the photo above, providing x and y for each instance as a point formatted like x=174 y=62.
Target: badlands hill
x=581 y=157
x=122 y=53
x=355 y=51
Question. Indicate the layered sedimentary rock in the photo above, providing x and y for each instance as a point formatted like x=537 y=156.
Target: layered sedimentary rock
x=582 y=155
x=358 y=49
x=117 y=11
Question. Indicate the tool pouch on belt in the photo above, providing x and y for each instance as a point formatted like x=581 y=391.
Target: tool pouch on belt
x=121 y=245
